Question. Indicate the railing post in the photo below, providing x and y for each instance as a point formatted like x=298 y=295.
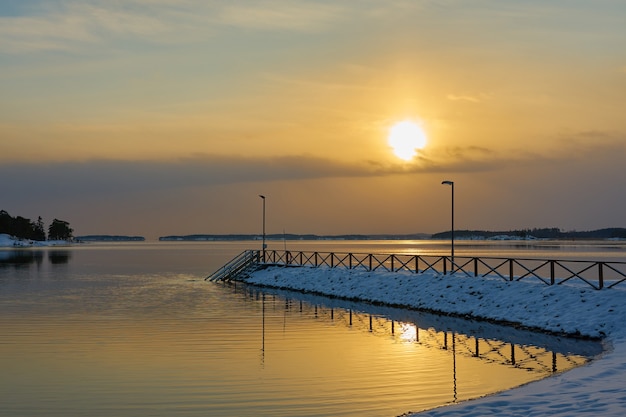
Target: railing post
x=475 y=267
x=417 y=265
x=332 y=260
x=370 y=261
x=392 y=256
x=600 y=275
x=445 y=267
x=349 y=260
x=552 y=278
x=511 y=270
x=316 y=262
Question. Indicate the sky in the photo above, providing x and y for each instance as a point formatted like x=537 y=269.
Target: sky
x=161 y=117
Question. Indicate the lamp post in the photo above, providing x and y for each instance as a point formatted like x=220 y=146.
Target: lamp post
x=451 y=184
x=263 y=197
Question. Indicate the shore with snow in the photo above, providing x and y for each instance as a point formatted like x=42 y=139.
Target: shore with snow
x=7 y=241
x=595 y=389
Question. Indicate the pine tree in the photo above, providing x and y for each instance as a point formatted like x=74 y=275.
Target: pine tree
x=60 y=230
x=39 y=231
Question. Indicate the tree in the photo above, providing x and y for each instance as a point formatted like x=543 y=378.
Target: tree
x=60 y=230
x=39 y=231
x=5 y=222
x=22 y=227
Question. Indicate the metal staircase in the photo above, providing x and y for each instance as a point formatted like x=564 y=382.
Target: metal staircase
x=237 y=268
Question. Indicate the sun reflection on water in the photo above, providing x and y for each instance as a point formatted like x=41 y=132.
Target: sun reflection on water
x=408 y=332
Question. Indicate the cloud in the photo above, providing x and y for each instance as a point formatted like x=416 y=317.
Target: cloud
x=479 y=98
x=580 y=177
x=104 y=177
x=279 y=15
x=209 y=169
x=72 y=24
x=76 y=24
x=117 y=176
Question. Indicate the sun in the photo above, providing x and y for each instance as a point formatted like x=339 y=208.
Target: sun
x=405 y=138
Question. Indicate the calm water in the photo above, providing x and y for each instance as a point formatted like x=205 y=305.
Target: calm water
x=134 y=330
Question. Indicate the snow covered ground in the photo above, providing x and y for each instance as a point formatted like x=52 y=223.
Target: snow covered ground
x=11 y=242
x=598 y=388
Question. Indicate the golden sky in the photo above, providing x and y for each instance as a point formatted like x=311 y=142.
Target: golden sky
x=157 y=117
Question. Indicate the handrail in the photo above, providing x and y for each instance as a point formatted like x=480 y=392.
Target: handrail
x=238 y=265
x=548 y=271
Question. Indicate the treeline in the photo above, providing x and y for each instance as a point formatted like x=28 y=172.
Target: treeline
x=109 y=238
x=23 y=228
x=541 y=233
x=291 y=236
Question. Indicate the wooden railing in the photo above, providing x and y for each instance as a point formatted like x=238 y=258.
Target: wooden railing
x=596 y=274
x=237 y=267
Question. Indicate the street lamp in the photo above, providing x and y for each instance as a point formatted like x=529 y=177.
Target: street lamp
x=451 y=184
x=263 y=197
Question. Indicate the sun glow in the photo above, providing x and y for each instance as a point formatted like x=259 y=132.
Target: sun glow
x=408 y=332
x=405 y=138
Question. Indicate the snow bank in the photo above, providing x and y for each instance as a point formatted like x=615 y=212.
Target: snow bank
x=10 y=241
x=595 y=389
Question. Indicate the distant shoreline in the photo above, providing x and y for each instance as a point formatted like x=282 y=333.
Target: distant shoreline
x=524 y=234
x=613 y=234
x=109 y=238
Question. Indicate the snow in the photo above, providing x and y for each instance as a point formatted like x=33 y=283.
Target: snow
x=595 y=389
x=10 y=241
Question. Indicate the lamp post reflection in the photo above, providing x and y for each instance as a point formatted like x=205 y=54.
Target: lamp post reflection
x=263 y=332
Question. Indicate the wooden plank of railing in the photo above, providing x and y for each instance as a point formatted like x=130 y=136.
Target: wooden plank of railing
x=619 y=273
x=493 y=269
x=461 y=268
x=431 y=266
x=379 y=263
x=576 y=274
x=357 y=262
x=532 y=272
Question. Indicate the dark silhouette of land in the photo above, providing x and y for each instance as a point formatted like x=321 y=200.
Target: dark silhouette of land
x=545 y=233
x=109 y=238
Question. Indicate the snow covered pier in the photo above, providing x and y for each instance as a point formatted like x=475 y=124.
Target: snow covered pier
x=574 y=308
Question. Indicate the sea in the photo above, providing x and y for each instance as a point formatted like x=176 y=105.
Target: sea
x=133 y=329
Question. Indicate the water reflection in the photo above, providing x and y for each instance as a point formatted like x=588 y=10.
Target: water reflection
x=133 y=331
x=24 y=258
x=57 y=257
x=18 y=258
x=493 y=345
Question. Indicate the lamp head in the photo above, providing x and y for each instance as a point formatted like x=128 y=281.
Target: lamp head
x=448 y=182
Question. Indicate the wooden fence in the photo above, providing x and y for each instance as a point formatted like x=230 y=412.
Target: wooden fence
x=596 y=274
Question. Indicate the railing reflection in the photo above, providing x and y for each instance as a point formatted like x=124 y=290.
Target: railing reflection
x=530 y=351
